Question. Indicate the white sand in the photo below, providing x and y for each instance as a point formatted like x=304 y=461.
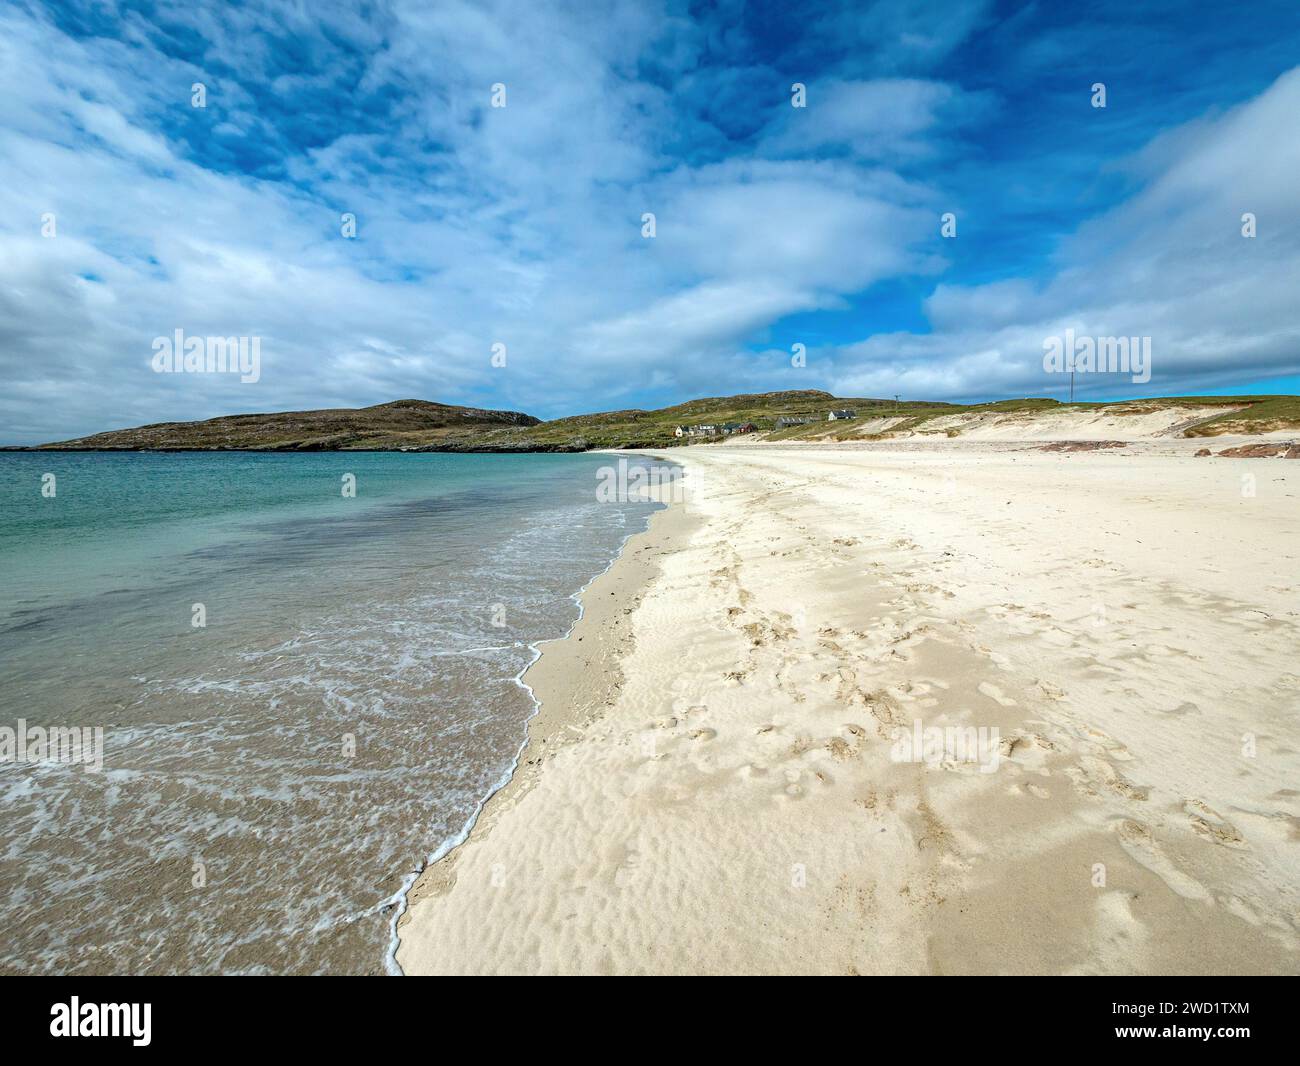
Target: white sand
x=1103 y=423
x=727 y=802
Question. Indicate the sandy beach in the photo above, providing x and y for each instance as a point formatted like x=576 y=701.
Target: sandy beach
x=722 y=777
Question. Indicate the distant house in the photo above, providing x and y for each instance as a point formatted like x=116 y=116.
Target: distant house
x=681 y=431
x=785 y=421
x=841 y=416
x=705 y=429
x=731 y=428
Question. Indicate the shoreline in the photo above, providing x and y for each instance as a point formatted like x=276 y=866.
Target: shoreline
x=722 y=791
x=572 y=680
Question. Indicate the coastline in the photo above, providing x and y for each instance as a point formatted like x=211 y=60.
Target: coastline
x=573 y=680
x=714 y=788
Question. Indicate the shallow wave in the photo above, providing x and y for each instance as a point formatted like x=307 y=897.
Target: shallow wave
x=273 y=783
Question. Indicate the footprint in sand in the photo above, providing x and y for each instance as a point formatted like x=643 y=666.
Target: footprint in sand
x=995 y=694
x=1109 y=744
x=840 y=749
x=1023 y=743
x=1140 y=844
x=702 y=734
x=848 y=746
x=883 y=708
x=1211 y=825
x=1093 y=773
x=793 y=789
x=923 y=586
x=626 y=862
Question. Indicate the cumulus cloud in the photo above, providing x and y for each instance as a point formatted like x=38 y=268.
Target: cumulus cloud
x=522 y=225
x=475 y=225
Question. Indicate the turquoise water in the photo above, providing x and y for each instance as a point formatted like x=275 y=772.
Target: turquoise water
x=272 y=776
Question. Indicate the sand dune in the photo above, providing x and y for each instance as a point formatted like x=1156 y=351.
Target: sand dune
x=715 y=783
x=1114 y=423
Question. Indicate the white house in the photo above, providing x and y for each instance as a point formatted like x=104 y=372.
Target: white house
x=841 y=416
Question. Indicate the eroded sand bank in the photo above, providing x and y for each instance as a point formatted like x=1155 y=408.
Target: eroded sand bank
x=713 y=784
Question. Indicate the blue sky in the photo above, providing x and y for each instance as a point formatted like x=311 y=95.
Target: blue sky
x=521 y=225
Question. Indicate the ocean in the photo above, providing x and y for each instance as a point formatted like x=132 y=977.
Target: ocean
x=303 y=694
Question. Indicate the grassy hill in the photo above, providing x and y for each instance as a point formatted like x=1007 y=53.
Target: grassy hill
x=881 y=419
x=385 y=427
x=636 y=428
x=418 y=425
x=1263 y=415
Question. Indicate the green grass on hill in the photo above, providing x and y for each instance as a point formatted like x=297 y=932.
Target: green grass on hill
x=420 y=425
x=639 y=429
x=1265 y=413
x=655 y=428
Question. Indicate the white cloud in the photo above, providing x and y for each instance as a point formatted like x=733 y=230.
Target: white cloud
x=475 y=225
x=1170 y=263
x=886 y=118
x=522 y=225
